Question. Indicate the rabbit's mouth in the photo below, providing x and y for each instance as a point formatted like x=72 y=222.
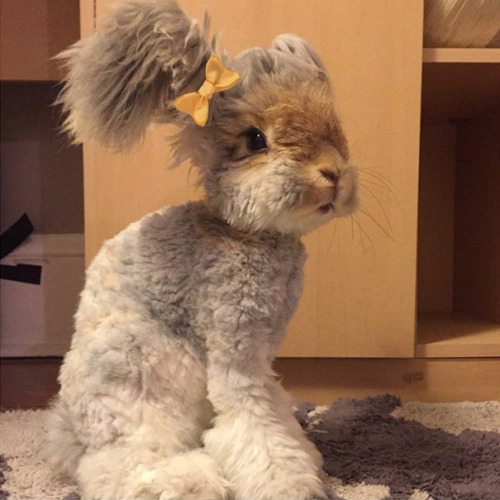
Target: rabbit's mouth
x=343 y=199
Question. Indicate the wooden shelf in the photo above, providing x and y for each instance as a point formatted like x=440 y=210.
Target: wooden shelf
x=458 y=90
x=461 y=55
x=451 y=335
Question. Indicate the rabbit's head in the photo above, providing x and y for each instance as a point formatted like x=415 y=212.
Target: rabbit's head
x=272 y=154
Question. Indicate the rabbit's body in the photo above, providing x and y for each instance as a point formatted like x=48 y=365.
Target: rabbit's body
x=168 y=389
x=137 y=370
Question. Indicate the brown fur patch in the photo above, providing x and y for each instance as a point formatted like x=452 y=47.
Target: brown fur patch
x=303 y=119
x=298 y=119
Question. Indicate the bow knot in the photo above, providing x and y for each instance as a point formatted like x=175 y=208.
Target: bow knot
x=207 y=90
x=217 y=79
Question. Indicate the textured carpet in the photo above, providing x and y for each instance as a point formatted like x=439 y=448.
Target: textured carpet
x=374 y=448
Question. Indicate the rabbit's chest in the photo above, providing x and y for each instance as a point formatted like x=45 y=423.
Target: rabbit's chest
x=195 y=276
x=251 y=287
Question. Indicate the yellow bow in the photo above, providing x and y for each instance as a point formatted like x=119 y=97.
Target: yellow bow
x=218 y=78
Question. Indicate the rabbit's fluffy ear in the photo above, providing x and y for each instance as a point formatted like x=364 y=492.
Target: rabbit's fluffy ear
x=293 y=44
x=145 y=54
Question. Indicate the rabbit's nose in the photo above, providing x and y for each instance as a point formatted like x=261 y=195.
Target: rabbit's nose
x=330 y=175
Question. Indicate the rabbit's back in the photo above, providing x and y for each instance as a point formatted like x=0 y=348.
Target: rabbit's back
x=182 y=267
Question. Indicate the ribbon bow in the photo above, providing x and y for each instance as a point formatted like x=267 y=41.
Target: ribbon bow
x=218 y=78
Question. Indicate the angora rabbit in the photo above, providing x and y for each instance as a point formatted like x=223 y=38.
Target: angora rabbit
x=168 y=389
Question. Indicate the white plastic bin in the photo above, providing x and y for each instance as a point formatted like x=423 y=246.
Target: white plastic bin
x=37 y=320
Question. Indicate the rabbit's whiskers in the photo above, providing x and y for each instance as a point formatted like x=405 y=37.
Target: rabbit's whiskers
x=378 y=202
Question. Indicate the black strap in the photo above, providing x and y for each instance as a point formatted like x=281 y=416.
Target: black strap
x=25 y=273
x=15 y=235
x=10 y=240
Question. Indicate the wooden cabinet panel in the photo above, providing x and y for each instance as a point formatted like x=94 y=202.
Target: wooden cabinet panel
x=32 y=33
x=359 y=298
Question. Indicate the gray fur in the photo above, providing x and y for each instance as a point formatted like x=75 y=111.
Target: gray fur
x=298 y=47
x=202 y=267
x=146 y=54
x=278 y=65
x=142 y=58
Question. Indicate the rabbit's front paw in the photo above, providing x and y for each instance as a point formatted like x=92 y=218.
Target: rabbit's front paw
x=280 y=484
x=296 y=488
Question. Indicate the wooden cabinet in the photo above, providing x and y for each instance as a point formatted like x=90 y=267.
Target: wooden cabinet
x=42 y=175
x=423 y=127
x=359 y=297
x=32 y=32
x=415 y=274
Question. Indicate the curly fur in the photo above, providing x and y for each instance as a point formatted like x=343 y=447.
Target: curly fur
x=168 y=389
x=141 y=59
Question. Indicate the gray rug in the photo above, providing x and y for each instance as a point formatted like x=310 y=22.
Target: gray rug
x=375 y=448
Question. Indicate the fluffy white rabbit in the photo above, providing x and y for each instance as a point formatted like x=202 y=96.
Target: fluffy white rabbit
x=168 y=389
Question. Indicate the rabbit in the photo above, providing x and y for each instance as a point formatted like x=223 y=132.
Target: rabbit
x=168 y=389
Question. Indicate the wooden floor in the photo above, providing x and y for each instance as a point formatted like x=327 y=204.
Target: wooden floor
x=28 y=382
x=32 y=382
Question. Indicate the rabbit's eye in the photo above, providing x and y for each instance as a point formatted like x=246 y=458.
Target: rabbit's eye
x=256 y=140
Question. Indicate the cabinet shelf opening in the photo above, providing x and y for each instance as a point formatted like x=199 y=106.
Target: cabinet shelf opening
x=458 y=280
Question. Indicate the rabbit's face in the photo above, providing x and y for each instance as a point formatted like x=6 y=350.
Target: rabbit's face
x=273 y=155
x=281 y=160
